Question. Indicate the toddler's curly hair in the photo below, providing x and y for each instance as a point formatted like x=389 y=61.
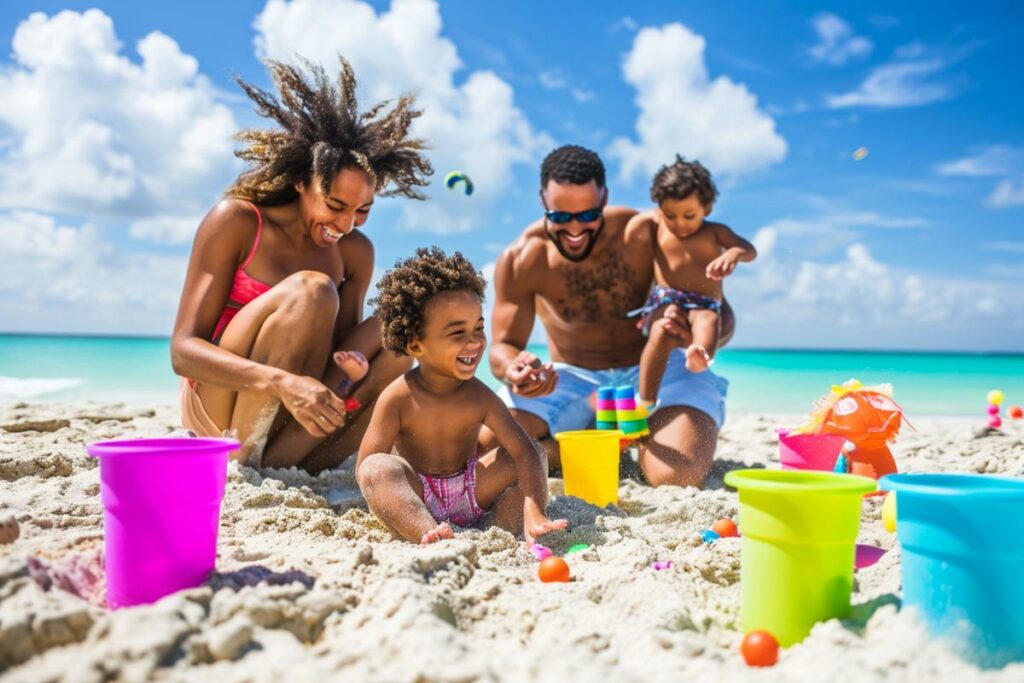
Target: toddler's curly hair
x=681 y=179
x=404 y=292
x=320 y=132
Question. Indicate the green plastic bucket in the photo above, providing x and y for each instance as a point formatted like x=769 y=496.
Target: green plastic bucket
x=797 y=553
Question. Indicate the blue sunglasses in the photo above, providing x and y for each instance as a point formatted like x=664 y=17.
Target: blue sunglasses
x=563 y=217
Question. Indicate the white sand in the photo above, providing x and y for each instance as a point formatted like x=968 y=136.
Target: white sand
x=362 y=605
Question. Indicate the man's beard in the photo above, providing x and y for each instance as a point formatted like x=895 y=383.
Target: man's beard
x=586 y=251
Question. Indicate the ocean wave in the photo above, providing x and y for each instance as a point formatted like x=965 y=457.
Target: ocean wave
x=34 y=387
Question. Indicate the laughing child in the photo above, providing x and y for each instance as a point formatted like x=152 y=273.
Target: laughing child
x=418 y=465
x=691 y=258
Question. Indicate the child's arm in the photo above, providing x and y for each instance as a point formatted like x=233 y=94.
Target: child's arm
x=531 y=469
x=736 y=249
x=385 y=423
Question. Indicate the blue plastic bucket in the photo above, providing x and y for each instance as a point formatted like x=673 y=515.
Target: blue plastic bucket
x=963 y=560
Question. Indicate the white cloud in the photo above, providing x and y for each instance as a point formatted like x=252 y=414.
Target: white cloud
x=166 y=229
x=60 y=278
x=788 y=298
x=837 y=43
x=90 y=131
x=474 y=126
x=991 y=160
x=683 y=111
x=822 y=233
x=626 y=23
x=1004 y=246
x=903 y=83
x=1009 y=192
x=552 y=80
x=580 y=95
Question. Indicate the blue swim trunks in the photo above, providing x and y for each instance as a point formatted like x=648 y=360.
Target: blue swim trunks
x=568 y=406
x=663 y=296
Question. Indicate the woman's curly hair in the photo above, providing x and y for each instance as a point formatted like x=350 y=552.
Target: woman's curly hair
x=321 y=132
x=404 y=291
x=681 y=179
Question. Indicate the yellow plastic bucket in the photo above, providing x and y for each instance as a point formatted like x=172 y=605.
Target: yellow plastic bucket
x=590 y=464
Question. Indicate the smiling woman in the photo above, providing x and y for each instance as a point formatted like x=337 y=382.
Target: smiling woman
x=279 y=272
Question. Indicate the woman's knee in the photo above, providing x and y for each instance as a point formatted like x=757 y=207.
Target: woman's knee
x=311 y=290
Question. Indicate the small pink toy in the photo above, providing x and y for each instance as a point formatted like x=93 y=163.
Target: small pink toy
x=540 y=552
x=993 y=409
x=995 y=422
x=661 y=565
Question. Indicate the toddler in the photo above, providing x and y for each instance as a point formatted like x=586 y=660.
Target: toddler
x=691 y=258
x=418 y=465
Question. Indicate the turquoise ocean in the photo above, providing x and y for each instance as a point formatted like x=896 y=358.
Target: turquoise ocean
x=138 y=370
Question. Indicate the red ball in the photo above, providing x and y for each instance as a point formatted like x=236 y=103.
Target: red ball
x=553 y=570
x=1016 y=412
x=759 y=648
x=994 y=422
x=725 y=528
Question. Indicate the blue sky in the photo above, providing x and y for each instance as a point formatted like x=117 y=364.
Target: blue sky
x=115 y=127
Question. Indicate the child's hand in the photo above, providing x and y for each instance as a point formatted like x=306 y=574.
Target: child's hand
x=529 y=377
x=352 y=363
x=722 y=266
x=538 y=525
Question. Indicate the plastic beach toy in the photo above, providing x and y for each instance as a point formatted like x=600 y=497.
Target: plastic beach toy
x=590 y=464
x=868 y=417
x=809 y=451
x=963 y=560
x=797 y=548
x=631 y=418
x=161 y=500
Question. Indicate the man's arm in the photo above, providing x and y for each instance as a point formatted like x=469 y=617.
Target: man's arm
x=514 y=312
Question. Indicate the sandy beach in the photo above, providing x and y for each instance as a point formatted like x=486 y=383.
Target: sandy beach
x=310 y=585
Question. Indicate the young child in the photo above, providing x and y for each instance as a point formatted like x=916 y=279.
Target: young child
x=418 y=466
x=691 y=258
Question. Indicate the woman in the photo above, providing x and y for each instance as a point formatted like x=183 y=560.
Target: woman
x=278 y=275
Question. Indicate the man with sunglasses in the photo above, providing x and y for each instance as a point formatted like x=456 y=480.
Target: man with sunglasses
x=575 y=270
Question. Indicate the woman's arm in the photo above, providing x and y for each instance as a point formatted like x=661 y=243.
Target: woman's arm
x=217 y=251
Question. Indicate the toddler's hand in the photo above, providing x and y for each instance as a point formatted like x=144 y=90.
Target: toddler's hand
x=529 y=377
x=721 y=267
x=352 y=363
x=540 y=525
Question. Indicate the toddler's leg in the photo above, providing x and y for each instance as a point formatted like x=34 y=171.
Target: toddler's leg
x=654 y=359
x=394 y=494
x=705 y=325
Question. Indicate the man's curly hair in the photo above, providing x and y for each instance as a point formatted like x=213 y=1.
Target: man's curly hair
x=404 y=291
x=321 y=132
x=573 y=165
x=681 y=179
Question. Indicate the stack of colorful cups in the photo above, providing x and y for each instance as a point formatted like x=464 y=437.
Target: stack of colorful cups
x=606 y=418
x=631 y=418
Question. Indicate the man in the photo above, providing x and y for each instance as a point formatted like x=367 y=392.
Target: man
x=575 y=269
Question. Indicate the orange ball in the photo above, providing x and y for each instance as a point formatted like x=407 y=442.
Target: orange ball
x=725 y=528
x=759 y=648
x=553 y=570
x=1015 y=412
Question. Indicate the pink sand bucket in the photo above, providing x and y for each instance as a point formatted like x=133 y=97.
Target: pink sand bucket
x=161 y=500
x=808 y=451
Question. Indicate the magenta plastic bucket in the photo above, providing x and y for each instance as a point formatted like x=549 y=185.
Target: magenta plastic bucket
x=808 y=451
x=161 y=500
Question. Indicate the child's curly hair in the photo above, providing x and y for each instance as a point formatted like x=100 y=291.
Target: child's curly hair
x=681 y=179
x=321 y=132
x=404 y=291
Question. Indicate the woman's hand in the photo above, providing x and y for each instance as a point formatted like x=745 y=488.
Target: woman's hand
x=313 y=405
x=530 y=378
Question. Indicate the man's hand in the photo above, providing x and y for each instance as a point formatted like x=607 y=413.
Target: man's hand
x=676 y=323
x=530 y=378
